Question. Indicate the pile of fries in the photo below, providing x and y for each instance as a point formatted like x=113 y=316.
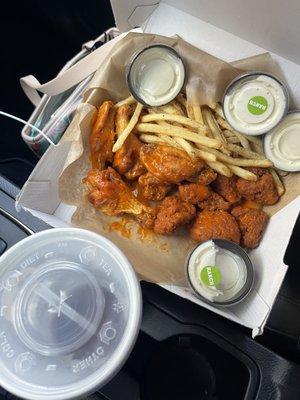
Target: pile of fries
x=202 y=132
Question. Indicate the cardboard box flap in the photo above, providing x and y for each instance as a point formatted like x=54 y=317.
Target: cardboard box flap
x=271 y=24
x=217 y=42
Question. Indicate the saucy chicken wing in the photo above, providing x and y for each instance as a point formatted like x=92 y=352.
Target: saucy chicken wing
x=263 y=190
x=126 y=160
x=215 y=225
x=173 y=213
x=110 y=194
x=169 y=164
x=226 y=187
x=214 y=202
x=102 y=136
x=252 y=223
x=152 y=188
x=193 y=193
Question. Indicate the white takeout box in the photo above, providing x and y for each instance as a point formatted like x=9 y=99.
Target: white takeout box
x=228 y=30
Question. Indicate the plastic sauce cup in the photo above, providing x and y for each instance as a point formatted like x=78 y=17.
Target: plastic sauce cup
x=282 y=143
x=220 y=272
x=255 y=102
x=155 y=75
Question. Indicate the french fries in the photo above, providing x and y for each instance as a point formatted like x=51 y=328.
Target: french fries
x=224 y=124
x=169 y=140
x=242 y=173
x=241 y=162
x=129 y=100
x=198 y=114
x=205 y=155
x=220 y=168
x=217 y=109
x=174 y=118
x=185 y=145
x=170 y=108
x=243 y=152
x=151 y=139
x=228 y=134
x=277 y=182
x=124 y=135
x=232 y=139
x=176 y=131
x=215 y=129
x=243 y=140
x=190 y=111
x=122 y=118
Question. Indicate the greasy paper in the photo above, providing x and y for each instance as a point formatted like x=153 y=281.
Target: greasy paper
x=156 y=258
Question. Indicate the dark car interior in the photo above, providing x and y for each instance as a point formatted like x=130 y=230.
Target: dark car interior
x=183 y=351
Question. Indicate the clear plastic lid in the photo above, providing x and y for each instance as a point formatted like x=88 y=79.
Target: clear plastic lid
x=70 y=309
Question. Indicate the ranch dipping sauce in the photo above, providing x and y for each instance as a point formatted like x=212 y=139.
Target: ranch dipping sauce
x=255 y=103
x=282 y=144
x=220 y=272
x=155 y=75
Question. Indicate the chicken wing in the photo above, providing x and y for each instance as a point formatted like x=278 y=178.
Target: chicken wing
x=102 y=136
x=252 y=223
x=169 y=164
x=226 y=187
x=152 y=188
x=110 y=194
x=173 y=213
x=126 y=160
x=215 y=225
x=262 y=191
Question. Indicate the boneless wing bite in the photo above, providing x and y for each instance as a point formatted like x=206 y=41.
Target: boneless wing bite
x=215 y=225
x=252 y=223
x=193 y=193
x=214 y=202
x=173 y=213
x=226 y=187
x=263 y=190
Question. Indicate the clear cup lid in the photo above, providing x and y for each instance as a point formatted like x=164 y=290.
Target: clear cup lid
x=70 y=309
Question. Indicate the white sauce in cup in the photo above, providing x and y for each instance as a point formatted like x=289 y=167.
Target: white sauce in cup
x=220 y=272
x=155 y=75
x=255 y=103
x=282 y=144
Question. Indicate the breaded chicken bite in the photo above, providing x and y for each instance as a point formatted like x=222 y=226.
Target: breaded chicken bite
x=173 y=213
x=214 y=202
x=263 y=190
x=226 y=187
x=193 y=193
x=215 y=225
x=206 y=176
x=252 y=223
